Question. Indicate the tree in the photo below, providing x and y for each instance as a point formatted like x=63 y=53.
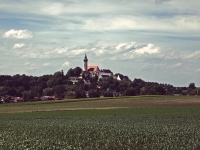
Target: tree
x=33 y=82
x=193 y=92
x=123 y=86
x=70 y=72
x=2 y=90
x=138 y=83
x=69 y=94
x=80 y=82
x=28 y=95
x=57 y=74
x=67 y=82
x=25 y=96
x=93 y=93
x=116 y=83
x=19 y=92
x=36 y=90
x=50 y=83
x=42 y=84
x=86 y=87
x=159 y=90
x=48 y=92
x=80 y=94
x=110 y=80
x=130 y=92
x=111 y=87
x=58 y=81
x=192 y=86
x=59 y=91
x=77 y=71
x=12 y=91
x=107 y=94
x=94 y=79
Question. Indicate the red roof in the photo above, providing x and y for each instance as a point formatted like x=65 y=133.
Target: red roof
x=93 y=68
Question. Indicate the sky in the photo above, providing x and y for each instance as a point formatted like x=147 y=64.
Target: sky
x=154 y=40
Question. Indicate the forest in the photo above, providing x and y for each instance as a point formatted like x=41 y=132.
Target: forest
x=60 y=85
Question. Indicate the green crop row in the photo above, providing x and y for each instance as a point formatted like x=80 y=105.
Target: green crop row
x=116 y=132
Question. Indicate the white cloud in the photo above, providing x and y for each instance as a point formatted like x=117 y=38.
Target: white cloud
x=19 y=45
x=62 y=50
x=177 y=23
x=53 y=9
x=149 y=49
x=66 y=64
x=100 y=52
x=197 y=70
x=126 y=46
x=18 y=34
x=57 y=51
x=120 y=45
x=192 y=56
x=131 y=50
x=46 y=64
x=79 y=51
x=27 y=64
x=176 y=65
x=161 y=1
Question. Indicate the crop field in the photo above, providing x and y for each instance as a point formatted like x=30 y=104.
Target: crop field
x=101 y=103
x=146 y=124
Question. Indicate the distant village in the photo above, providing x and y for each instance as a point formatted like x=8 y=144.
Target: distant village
x=89 y=82
x=94 y=71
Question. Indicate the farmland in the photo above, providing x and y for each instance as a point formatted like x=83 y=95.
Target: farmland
x=99 y=103
x=126 y=123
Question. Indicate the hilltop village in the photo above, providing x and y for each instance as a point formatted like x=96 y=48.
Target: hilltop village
x=89 y=82
x=90 y=72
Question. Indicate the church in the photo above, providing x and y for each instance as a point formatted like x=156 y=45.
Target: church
x=92 y=71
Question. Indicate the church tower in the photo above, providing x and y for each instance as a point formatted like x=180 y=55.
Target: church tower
x=85 y=63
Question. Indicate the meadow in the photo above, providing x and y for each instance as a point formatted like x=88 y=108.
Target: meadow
x=150 y=122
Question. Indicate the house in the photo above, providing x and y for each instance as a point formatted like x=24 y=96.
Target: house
x=1 y=100
x=105 y=74
x=119 y=77
x=75 y=80
x=103 y=77
x=89 y=71
x=44 y=98
x=87 y=95
x=92 y=71
x=7 y=99
x=122 y=78
x=107 y=71
x=93 y=68
x=18 y=99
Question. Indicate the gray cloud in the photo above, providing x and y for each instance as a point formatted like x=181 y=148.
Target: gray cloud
x=161 y=1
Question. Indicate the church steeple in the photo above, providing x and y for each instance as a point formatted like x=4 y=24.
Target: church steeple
x=85 y=63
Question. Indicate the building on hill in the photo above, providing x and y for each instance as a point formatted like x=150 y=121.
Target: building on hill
x=85 y=60
x=105 y=74
x=93 y=68
x=92 y=71
x=120 y=77
x=85 y=74
x=107 y=71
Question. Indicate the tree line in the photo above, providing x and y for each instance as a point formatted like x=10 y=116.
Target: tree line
x=59 y=85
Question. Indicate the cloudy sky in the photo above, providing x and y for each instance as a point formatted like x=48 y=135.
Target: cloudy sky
x=155 y=40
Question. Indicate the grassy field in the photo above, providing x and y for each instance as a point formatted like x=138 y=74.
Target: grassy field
x=150 y=122
x=105 y=103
